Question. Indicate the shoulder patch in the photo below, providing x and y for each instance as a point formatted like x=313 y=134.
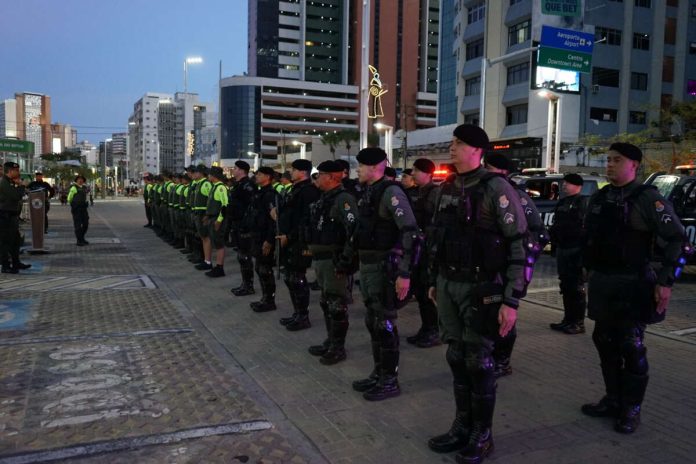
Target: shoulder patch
x=394 y=201
x=346 y=206
x=666 y=219
x=509 y=218
x=523 y=201
x=659 y=206
x=503 y=201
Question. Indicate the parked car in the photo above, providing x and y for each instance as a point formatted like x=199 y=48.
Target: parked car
x=680 y=190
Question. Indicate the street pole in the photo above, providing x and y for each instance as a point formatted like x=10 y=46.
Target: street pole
x=557 y=148
x=549 y=135
x=364 y=77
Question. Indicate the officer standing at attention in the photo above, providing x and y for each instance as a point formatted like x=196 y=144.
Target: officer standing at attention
x=147 y=198
x=200 y=205
x=385 y=239
x=215 y=220
x=331 y=225
x=624 y=292
x=407 y=181
x=567 y=235
x=241 y=195
x=537 y=239
x=352 y=186
x=10 y=208
x=39 y=184
x=478 y=267
x=423 y=197
x=77 y=199
x=261 y=227
x=293 y=242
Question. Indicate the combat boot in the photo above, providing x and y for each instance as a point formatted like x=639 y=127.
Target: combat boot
x=320 y=350
x=480 y=443
x=502 y=368
x=300 y=322
x=217 y=271
x=412 y=339
x=388 y=383
x=287 y=320
x=428 y=339
x=559 y=325
x=458 y=434
x=606 y=407
x=574 y=328
x=632 y=392
x=203 y=266
x=366 y=384
x=339 y=328
x=263 y=306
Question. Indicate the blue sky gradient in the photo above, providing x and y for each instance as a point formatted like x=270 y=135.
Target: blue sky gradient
x=95 y=58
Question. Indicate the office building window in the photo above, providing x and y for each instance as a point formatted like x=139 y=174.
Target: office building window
x=605 y=76
x=639 y=81
x=692 y=48
x=668 y=69
x=636 y=117
x=516 y=114
x=670 y=31
x=472 y=86
x=612 y=36
x=518 y=74
x=641 y=41
x=519 y=33
x=471 y=118
x=476 y=12
x=674 y=3
x=603 y=114
x=643 y=3
x=474 y=49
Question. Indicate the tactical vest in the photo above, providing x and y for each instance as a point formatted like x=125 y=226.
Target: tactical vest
x=567 y=223
x=10 y=203
x=183 y=194
x=200 y=201
x=80 y=197
x=419 y=202
x=240 y=196
x=191 y=193
x=375 y=232
x=468 y=242
x=164 y=194
x=612 y=245
x=322 y=229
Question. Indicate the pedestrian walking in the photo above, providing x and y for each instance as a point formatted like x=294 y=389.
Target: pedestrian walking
x=77 y=199
x=624 y=292
x=477 y=280
x=385 y=239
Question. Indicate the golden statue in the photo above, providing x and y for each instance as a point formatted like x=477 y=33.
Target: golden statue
x=376 y=91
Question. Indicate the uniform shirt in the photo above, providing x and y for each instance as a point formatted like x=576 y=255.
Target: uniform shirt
x=567 y=230
x=43 y=185
x=240 y=197
x=534 y=222
x=295 y=211
x=423 y=201
x=77 y=196
x=651 y=213
x=343 y=211
x=217 y=201
x=200 y=196
x=258 y=219
x=394 y=205
x=10 y=196
x=501 y=206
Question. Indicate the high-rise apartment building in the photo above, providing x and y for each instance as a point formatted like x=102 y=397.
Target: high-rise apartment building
x=8 y=118
x=62 y=136
x=33 y=116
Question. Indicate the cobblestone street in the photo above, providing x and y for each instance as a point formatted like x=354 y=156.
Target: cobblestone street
x=121 y=352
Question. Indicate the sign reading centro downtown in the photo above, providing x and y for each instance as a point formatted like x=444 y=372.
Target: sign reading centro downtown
x=16 y=146
x=566 y=49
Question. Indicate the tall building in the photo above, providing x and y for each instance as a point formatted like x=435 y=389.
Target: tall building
x=644 y=59
x=8 y=118
x=33 y=118
x=62 y=136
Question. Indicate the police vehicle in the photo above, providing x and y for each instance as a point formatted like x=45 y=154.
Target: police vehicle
x=546 y=189
x=680 y=190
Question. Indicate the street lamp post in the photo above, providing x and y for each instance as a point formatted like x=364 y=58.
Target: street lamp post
x=190 y=60
x=554 y=104
x=103 y=186
x=387 y=139
x=257 y=159
x=303 y=148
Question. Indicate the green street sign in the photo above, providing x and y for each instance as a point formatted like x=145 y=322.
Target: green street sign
x=565 y=59
x=16 y=146
x=561 y=7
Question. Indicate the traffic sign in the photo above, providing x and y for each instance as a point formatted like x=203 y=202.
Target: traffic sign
x=16 y=146
x=565 y=59
x=561 y=7
x=567 y=39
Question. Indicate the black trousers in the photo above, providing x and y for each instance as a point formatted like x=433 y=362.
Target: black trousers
x=10 y=241
x=80 y=222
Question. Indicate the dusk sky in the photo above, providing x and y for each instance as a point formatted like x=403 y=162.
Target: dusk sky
x=95 y=58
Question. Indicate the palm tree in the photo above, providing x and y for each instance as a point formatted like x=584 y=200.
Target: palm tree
x=332 y=139
x=348 y=136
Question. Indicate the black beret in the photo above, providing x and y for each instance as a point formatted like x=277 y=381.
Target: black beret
x=302 y=165
x=80 y=176
x=243 y=165
x=472 y=135
x=424 y=165
x=371 y=156
x=38 y=173
x=573 y=178
x=499 y=160
x=10 y=165
x=217 y=172
x=389 y=171
x=628 y=150
x=345 y=165
x=191 y=168
x=286 y=175
x=330 y=166
x=407 y=172
x=267 y=170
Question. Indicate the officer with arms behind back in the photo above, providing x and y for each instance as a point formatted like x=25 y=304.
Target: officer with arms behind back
x=241 y=195
x=624 y=292
x=331 y=226
x=385 y=238
x=77 y=199
x=567 y=235
x=478 y=266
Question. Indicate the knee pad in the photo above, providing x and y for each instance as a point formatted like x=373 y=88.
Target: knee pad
x=387 y=333
x=337 y=310
x=455 y=355
x=480 y=368
x=601 y=338
x=634 y=353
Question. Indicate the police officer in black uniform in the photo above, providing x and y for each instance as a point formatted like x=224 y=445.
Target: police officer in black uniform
x=477 y=275
x=567 y=237
x=386 y=236
x=39 y=184
x=352 y=186
x=10 y=209
x=295 y=253
x=241 y=196
x=423 y=197
x=536 y=240
x=331 y=226
x=624 y=292
x=77 y=199
x=259 y=226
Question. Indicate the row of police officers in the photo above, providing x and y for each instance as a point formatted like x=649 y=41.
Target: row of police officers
x=466 y=250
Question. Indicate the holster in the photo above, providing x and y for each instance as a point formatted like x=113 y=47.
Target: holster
x=644 y=302
x=487 y=297
x=391 y=266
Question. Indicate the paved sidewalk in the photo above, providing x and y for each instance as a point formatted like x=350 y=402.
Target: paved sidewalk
x=159 y=363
